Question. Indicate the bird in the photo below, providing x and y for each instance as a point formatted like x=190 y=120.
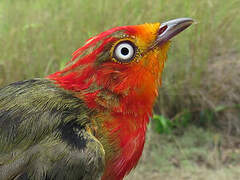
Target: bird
x=87 y=121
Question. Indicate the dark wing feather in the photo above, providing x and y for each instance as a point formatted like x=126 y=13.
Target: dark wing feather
x=44 y=134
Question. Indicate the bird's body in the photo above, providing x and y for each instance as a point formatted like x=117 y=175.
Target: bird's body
x=87 y=121
x=44 y=134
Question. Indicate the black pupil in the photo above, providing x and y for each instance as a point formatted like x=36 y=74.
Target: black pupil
x=124 y=51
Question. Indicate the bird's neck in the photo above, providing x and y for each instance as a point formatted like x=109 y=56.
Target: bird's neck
x=122 y=132
x=127 y=138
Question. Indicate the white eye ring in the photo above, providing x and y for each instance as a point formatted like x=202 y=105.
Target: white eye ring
x=124 y=51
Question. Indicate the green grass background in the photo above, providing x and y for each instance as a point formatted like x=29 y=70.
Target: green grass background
x=38 y=37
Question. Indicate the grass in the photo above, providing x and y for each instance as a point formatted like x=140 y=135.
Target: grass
x=38 y=38
x=195 y=154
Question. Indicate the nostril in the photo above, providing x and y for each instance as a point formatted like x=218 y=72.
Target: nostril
x=162 y=29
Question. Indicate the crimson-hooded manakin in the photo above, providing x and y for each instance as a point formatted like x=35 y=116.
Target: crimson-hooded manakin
x=87 y=121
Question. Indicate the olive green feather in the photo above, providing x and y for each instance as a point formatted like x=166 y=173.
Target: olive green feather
x=44 y=134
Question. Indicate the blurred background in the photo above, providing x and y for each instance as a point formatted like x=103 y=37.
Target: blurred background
x=195 y=132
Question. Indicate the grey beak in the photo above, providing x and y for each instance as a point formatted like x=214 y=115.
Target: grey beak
x=170 y=29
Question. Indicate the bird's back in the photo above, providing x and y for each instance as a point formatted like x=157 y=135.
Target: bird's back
x=43 y=133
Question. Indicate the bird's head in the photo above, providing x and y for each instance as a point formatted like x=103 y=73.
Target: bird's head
x=121 y=68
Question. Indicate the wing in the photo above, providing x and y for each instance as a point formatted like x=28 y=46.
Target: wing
x=45 y=134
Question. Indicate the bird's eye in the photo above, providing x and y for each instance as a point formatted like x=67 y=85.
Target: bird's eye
x=124 y=52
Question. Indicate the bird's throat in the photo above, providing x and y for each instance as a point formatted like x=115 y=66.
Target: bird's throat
x=126 y=138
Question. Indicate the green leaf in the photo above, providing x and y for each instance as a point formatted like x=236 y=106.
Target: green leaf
x=163 y=124
x=220 y=108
